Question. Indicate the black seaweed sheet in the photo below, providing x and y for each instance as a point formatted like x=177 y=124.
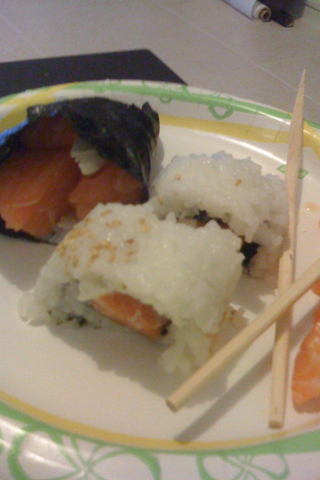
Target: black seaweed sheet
x=120 y=132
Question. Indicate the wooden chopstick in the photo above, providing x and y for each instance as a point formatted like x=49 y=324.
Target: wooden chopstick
x=280 y=357
x=244 y=338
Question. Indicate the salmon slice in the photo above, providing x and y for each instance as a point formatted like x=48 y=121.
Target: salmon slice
x=316 y=287
x=128 y=311
x=41 y=183
x=111 y=184
x=49 y=133
x=34 y=189
x=306 y=374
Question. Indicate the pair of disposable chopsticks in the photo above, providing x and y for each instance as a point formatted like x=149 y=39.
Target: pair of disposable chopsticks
x=289 y=294
x=286 y=268
x=243 y=339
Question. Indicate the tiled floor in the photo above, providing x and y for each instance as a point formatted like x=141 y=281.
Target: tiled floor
x=205 y=42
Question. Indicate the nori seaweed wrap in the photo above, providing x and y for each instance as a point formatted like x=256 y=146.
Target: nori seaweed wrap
x=123 y=134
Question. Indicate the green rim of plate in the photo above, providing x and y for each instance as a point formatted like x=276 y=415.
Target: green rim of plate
x=166 y=92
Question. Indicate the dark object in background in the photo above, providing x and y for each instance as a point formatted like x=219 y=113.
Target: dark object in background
x=127 y=65
x=283 y=18
x=285 y=12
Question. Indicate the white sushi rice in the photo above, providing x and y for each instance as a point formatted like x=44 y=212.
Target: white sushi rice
x=253 y=205
x=188 y=275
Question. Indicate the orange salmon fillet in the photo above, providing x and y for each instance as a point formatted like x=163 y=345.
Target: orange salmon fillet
x=128 y=311
x=110 y=184
x=41 y=183
x=50 y=133
x=306 y=375
x=34 y=189
x=316 y=287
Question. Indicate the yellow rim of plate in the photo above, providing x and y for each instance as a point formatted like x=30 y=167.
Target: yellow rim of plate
x=149 y=443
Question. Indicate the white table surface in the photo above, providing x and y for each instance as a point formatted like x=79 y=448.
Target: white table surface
x=206 y=42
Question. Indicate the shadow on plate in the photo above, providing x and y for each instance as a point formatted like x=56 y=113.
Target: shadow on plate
x=129 y=354
x=240 y=389
x=117 y=349
x=21 y=260
x=251 y=294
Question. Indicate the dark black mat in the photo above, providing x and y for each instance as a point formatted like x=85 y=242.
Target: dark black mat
x=130 y=65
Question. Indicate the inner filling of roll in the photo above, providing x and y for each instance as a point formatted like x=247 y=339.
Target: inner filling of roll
x=248 y=249
x=132 y=313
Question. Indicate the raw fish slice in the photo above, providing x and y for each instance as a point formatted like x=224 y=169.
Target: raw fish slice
x=316 y=287
x=306 y=375
x=124 y=135
x=49 y=133
x=130 y=312
x=110 y=184
x=35 y=195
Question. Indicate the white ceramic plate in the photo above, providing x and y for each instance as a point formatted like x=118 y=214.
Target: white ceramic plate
x=81 y=403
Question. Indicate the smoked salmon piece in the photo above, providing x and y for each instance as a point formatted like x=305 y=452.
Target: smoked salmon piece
x=34 y=193
x=128 y=311
x=110 y=184
x=316 y=287
x=49 y=133
x=38 y=174
x=306 y=374
x=39 y=187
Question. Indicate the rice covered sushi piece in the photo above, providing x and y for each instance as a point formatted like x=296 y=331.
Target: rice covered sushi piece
x=68 y=156
x=158 y=277
x=237 y=195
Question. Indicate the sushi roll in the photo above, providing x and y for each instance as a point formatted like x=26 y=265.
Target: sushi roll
x=68 y=156
x=162 y=278
x=237 y=195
